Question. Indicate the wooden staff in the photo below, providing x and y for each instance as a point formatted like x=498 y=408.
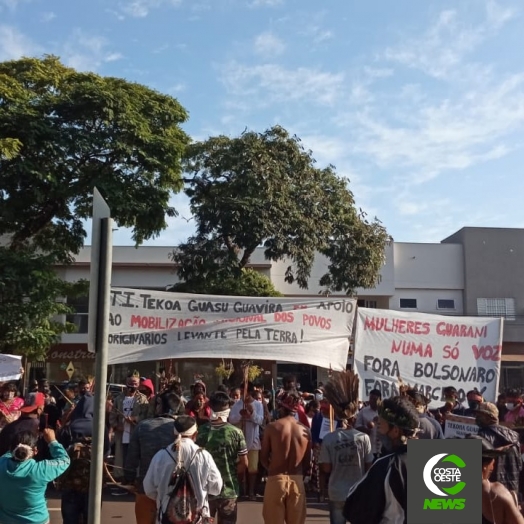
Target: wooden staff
x=331 y=419
x=63 y=396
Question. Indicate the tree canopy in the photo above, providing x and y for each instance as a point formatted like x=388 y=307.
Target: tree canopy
x=249 y=283
x=30 y=308
x=264 y=189
x=62 y=132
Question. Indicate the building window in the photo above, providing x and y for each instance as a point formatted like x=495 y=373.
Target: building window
x=80 y=317
x=372 y=304
x=496 y=307
x=408 y=303
x=444 y=303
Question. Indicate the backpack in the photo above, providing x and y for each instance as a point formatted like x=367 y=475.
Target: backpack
x=180 y=503
x=76 y=477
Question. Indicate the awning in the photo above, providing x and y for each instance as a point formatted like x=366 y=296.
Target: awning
x=512 y=358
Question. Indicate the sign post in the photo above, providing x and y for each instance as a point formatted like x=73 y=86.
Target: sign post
x=99 y=293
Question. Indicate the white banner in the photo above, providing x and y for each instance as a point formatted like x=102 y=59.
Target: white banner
x=156 y=325
x=10 y=366
x=458 y=427
x=429 y=352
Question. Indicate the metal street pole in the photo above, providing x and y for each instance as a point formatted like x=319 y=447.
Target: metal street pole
x=101 y=348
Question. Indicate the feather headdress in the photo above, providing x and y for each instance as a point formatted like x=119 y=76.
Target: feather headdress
x=341 y=392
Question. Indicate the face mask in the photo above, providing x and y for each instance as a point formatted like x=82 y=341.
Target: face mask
x=473 y=404
x=131 y=389
x=450 y=400
x=319 y=397
x=510 y=406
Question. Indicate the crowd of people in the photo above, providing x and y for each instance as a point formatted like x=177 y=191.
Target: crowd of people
x=194 y=458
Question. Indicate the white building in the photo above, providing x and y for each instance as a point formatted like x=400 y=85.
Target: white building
x=428 y=278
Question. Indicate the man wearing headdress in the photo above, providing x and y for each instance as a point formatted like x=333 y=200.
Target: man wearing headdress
x=345 y=455
x=381 y=496
x=286 y=454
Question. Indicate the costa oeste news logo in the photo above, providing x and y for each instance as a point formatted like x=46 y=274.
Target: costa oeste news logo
x=442 y=476
x=444 y=481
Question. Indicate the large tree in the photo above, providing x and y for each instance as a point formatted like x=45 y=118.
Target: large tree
x=264 y=189
x=32 y=302
x=63 y=132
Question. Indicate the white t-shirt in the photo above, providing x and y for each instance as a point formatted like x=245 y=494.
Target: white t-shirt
x=127 y=409
x=364 y=417
x=348 y=451
x=251 y=426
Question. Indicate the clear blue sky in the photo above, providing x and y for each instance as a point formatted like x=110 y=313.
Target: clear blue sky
x=420 y=104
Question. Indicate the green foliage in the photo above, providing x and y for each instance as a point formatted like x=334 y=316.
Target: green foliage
x=263 y=189
x=29 y=304
x=248 y=283
x=63 y=132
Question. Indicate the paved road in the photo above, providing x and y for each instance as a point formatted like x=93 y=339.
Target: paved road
x=116 y=510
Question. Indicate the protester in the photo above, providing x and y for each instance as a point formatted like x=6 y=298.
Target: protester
x=345 y=456
x=321 y=426
x=474 y=399
x=199 y=409
x=51 y=411
x=201 y=467
x=248 y=415
x=289 y=384
x=515 y=410
x=312 y=409
x=381 y=496
x=501 y=406
x=147 y=389
x=498 y=504
x=128 y=410
x=286 y=454
x=32 y=389
x=76 y=438
x=451 y=405
x=150 y=436
x=23 y=481
x=165 y=402
x=198 y=388
x=429 y=427
x=367 y=420
x=10 y=404
x=236 y=394
x=30 y=420
x=227 y=446
x=507 y=468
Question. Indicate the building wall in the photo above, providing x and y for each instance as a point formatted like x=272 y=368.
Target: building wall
x=385 y=286
x=427 y=300
x=428 y=266
x=494 y=268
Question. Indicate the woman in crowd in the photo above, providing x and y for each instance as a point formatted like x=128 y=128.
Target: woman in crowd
x=23 y=481
x=199 y=409
x=10 y=404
